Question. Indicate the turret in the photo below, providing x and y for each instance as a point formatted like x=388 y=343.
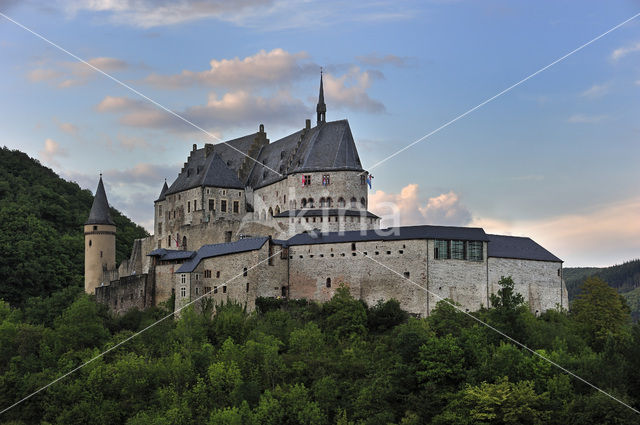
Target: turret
x=99 y=242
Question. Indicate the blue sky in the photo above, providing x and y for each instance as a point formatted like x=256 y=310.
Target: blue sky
x=555 y=159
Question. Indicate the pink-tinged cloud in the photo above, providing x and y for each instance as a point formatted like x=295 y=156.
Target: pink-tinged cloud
x=350 y=90
x=599 y=237
x=264 y=69
x=51 y=151
x=444 y=209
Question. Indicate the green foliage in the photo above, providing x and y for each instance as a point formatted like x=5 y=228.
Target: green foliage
x=301 y=363
x=599 y=311
x=41 y=236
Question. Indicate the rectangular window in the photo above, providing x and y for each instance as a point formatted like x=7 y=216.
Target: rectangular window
x=224 y=289
x=218 y=274
x=474 y=251
x=457 y=250
x=326 y=180
x=363 y=179
x=307 y=180
x=440 y=250
x=183 y=292
x=215 y=289
x=183 y=279
x=236 y=207
x=159 y=228
x=188 y=206
x=212 y=204
x=195 y=205
x=223 y=205
x=159 y=210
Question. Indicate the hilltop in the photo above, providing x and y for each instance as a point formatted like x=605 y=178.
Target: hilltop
x=41 y=239
x=625 y=278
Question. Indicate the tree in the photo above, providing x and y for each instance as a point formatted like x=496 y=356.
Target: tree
x=600 y=311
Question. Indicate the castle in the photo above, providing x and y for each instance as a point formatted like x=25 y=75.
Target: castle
x=249 y=218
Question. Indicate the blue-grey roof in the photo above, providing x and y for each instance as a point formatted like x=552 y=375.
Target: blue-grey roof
x=519 y=248
x=326 y=212
x=171 y=254
x=205 y=167
x=100 y=208
x=391 y=234
x=216 y=250
x=326 y=147
x=163 y=192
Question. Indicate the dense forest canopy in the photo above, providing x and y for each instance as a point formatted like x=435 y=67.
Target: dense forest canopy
x=41 y=235
x=294 y=362
x=625 y=278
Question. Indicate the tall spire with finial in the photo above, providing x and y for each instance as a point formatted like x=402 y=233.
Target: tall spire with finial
x=321 y=109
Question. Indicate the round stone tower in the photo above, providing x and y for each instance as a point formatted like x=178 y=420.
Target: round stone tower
x=99 y=242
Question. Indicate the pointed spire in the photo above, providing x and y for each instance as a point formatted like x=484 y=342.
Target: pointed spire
x=163 y=191
x=321 y=109
x=100 y=209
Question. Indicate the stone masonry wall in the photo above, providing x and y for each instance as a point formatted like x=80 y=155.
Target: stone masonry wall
x=127 y=293
x=539 y=282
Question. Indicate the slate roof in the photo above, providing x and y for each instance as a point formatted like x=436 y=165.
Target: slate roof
x=171 y=254
x=391 y=234
x=205 y=170
x=163 y=192
x=519 y=248
x=100 y=208
x=326 y=147
x=321 y=212
x=216 y=250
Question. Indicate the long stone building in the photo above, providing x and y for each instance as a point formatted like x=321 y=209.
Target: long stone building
x=249 y=218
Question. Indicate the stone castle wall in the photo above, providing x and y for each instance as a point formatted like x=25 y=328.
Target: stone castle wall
x=539 y=282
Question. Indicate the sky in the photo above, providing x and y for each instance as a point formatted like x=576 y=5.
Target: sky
x=556 y=158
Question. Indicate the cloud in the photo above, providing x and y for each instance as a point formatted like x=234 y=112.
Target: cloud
x=262 y=69
x=68 y=128
x=586 y=119
x=602 y=236
x=129 y=143
x=70 y=74
x=50 y=151
x=262 y=15
x=350 y=90
x=444 y=209
x=596 y=90
x=373 y=59
x=149 y=13
x=232 y=110
x=621 y=52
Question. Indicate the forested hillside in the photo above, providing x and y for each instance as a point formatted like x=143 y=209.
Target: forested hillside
x=41 y=235
x=337 y=363
x=625 y=278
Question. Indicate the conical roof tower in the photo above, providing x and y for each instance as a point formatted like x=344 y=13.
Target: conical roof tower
x=100 y=209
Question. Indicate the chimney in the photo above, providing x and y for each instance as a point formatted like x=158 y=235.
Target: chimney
x=307 y=124
x=195 y=147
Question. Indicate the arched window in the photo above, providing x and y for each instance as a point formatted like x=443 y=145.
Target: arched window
x=184 y=242
x=263 y=216
x=294 y=204
x=322 y=201
x=310 y=202
x=277 y=209
x=329 y=202
x=354 y=202
x=169 y=241
x=270 y=212
x=341 y=202
x=303 y=203
x=328 y=282
x=363 y=203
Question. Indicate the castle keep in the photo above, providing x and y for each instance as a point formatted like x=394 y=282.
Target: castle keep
x=252 y=218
